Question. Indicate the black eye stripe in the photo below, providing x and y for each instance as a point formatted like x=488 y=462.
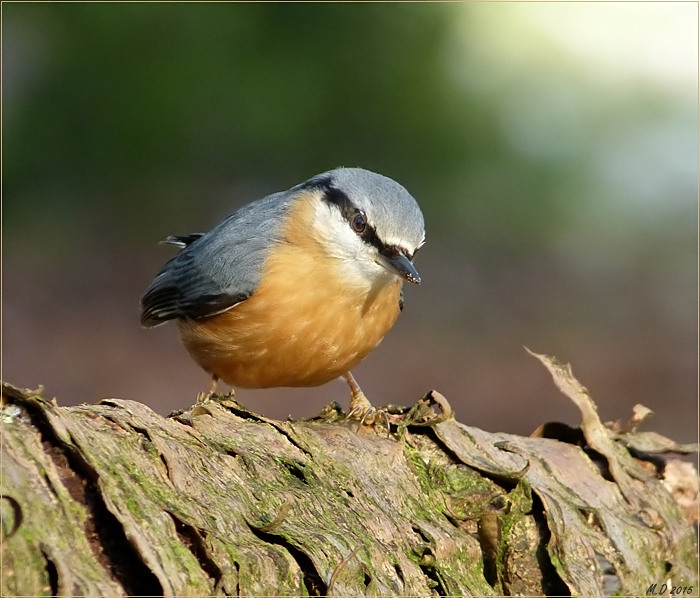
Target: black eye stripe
x=338 y=198
x=392 y=252
x=370 y=236
x=348 y=210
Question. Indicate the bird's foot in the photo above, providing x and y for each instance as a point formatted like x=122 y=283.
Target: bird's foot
x=205 y=396
x=361 y=409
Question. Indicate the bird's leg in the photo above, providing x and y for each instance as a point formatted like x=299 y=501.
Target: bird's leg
x=360 y=407
x=202 y=396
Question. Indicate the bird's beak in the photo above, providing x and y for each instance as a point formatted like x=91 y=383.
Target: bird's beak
x=397 y=262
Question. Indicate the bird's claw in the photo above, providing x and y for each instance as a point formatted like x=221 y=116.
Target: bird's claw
x=205 y=396
x=361 y=409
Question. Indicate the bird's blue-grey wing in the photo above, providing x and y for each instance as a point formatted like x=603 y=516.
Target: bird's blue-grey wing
x=217 y=270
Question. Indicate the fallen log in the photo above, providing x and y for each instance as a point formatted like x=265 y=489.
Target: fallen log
x=114 y=499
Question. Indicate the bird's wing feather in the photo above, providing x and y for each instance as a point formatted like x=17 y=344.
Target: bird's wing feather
x=216 y=271
x=182 y=241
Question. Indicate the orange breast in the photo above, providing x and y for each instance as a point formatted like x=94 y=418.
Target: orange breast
x=303 y=326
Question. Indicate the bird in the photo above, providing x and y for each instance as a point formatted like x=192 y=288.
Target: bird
x=296 y=288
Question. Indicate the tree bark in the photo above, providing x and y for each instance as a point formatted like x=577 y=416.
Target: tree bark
x=113 y=499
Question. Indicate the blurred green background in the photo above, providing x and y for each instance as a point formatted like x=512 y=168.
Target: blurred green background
x=553 y=148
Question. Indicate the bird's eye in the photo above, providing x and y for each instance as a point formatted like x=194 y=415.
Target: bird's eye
x=359 y=223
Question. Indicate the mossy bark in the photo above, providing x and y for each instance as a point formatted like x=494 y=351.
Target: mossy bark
x=113 y=499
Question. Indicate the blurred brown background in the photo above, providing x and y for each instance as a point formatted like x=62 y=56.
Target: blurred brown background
x=553 y=148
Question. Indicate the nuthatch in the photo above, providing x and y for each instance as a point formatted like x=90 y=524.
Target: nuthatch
x=294 y=289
